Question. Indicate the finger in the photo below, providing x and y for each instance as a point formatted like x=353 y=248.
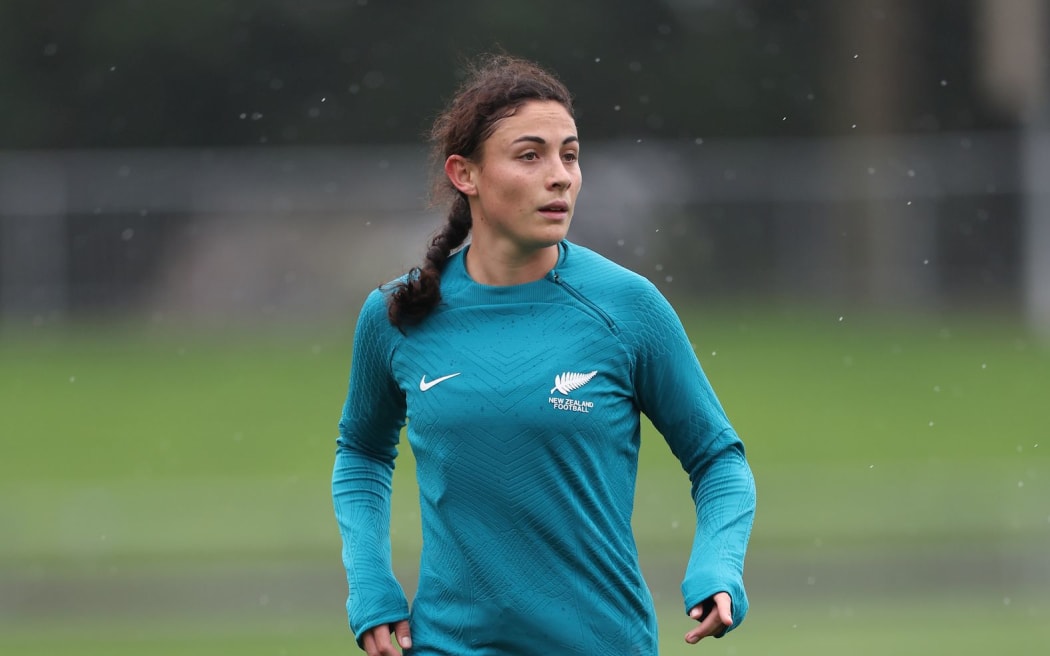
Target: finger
x=709 y=626
x=368 y=643
x=724 y=604
x=403 y=634
x=379 y=637
x=712 y=624
x=700 y=611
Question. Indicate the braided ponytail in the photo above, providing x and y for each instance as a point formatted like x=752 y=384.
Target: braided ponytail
x=414 y=298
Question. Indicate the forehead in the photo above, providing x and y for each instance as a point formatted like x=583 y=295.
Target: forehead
x=542 y=118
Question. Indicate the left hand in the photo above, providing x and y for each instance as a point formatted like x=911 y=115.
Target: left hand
x=715 y=615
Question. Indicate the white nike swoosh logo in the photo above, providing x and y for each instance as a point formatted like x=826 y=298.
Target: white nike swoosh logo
x=424 y=385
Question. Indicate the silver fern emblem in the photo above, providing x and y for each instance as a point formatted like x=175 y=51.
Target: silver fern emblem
x=570 y=381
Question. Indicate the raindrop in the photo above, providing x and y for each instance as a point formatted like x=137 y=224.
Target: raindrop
x=1020 y=483
x=616 y=108
x=1006 y=601
x=659 y=267
x=714 y=353
x=871 y=466
x=909 y=202
x=256 y=116
x=936 y=388
x=639 y=141
x=931 y=424
x=871 y=170
x=698 y=141
x=72 y=379
x=324 y=99
x=811 y=580
x=127 y=234
x=264 y=600
x=911 y=173
x=926 y=261
x=597 y=60
x=854 y=126
x=634 y=66
x=243 y=115
x=944 y=83
x=51 y=49
x=620 y=242
x=856 y=56
x=674 y=524
x=112 y=68
x=984 y=366
x=841 y=318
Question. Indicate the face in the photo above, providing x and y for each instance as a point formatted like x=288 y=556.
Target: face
x=522 y=187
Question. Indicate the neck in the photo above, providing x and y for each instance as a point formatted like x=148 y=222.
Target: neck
x=488 y=266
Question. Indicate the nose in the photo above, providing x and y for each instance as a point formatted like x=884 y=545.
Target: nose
x=559 y=178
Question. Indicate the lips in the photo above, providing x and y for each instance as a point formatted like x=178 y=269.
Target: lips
x=556 y=206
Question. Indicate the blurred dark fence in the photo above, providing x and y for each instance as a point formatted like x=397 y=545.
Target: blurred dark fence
x=879 y=152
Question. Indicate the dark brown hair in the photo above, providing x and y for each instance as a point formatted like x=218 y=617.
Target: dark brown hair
x=495 y=87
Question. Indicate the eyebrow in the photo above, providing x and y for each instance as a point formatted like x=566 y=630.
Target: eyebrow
x=542 y=141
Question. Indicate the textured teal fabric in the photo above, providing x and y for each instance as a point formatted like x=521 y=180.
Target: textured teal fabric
x=522 y=406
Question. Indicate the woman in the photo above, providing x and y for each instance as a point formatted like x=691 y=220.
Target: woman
x=521 y=363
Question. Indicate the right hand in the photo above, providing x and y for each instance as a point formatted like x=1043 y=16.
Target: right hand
x=380 y=640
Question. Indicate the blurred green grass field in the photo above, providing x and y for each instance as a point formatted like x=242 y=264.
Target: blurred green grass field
x=166 y=491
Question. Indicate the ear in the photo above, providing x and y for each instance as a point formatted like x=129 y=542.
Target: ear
x=462 y=173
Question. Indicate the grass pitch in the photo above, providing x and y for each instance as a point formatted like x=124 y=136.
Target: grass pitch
x=167 y=492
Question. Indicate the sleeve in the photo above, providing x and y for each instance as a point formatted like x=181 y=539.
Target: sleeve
x=674 y=392
x=369 y=429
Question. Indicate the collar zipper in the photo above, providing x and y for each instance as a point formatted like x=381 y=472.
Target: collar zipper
x=558 y=280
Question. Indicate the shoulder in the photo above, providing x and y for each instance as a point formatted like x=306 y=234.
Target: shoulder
x=373 y=321
x=616 y=286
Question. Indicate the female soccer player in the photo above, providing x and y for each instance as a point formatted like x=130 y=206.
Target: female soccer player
x=521 y=363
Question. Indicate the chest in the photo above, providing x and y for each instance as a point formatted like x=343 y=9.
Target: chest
x=548 y=368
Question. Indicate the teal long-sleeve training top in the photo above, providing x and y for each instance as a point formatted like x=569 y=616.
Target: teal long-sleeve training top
x=523 y=409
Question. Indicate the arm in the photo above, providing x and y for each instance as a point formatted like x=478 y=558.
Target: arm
x=369 y=430
x=674 y=393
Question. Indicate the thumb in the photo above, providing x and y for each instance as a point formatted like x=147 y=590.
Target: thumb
x=403 y=634
x=725 y=609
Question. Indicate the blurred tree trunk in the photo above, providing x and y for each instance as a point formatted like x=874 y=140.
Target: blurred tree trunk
x=874 y=66
x=1016 y=76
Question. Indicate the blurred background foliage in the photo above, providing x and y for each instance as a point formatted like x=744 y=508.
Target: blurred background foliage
x=117 y=73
